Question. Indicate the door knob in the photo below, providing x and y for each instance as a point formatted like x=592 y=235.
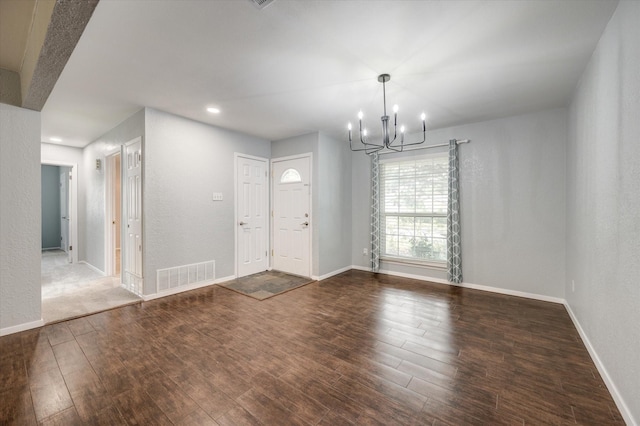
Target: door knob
x=242 y=223
x=305 y=223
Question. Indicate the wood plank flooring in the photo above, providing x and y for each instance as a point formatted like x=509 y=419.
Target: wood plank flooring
x=357 y=348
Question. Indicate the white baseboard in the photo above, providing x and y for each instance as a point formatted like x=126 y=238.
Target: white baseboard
x=182 y=289
x=613 y=390
x=21 y=327
x=468 y=285
x=84 y=262
x=331 y=274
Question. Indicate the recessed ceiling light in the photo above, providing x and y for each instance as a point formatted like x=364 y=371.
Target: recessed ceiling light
x=213 y=110
x=55 y=139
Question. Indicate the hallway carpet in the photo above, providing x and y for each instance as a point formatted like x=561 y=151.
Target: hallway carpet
x=70 y=290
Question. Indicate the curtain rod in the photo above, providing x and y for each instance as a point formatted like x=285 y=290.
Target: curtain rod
x=424 y=147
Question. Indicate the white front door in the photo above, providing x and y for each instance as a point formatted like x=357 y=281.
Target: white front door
x=64 y=210
x=133 y=208
x=292 y=215
x=251 y=215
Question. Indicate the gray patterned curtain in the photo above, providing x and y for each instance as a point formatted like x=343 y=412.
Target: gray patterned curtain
x=375 y=212
x=454 y=249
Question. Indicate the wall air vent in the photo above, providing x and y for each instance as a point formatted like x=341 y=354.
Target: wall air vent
x=261 y=4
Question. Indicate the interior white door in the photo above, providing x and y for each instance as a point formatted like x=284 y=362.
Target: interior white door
x=251 y=208
x=291 y=216
x=133 y=208
x=64 y=210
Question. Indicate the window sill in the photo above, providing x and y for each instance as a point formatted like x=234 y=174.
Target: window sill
x=441 y=266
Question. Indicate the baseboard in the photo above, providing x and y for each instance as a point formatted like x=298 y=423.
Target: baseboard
x=21 y=327
x=331 y=274
x=182 y=289
x=468 y=285
x=613 y=390
x=84 y=262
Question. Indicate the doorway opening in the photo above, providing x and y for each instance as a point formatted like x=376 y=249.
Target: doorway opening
x=69 y=287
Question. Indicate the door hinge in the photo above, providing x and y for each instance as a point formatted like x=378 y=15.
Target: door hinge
x=271 y=252
x=70 y=248
x=70 y=176
x=266 y=253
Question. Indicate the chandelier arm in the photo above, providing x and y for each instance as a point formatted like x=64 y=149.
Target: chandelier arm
x=366 y=146
x=424 y=138
x=396 y=149
x=373 y=150
x=367 y=143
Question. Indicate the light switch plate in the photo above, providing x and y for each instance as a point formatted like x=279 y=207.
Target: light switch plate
x=217 y=196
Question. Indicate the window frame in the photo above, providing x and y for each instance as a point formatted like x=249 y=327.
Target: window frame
x=413 y=261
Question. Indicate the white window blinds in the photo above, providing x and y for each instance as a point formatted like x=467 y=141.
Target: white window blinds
x=413 y=208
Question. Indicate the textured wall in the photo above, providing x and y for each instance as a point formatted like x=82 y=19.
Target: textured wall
x=334 y=210
x=301 y=145
x=184 y=163
x=19 y=216
x=603 y=208
x=92 y=221
x=512 y=203
x=50 y=191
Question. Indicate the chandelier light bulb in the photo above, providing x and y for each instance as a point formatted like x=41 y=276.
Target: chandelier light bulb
x=349 y=126
x=423 y=116
x=364 y=132
x=395 y=109
x=360 y=115
x=401 y=129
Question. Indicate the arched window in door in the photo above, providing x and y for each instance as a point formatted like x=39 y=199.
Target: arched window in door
x=290 y=176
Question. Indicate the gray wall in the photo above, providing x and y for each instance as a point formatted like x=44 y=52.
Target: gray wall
x=331 y=198
x=184 y=163
x=91 y=201
x=512 y=203
x=50 y=190
x=603 y=208
x=20 y=288
x=301 y=145
x=333 y=217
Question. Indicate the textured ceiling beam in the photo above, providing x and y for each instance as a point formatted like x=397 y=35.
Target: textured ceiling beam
x=68 y=21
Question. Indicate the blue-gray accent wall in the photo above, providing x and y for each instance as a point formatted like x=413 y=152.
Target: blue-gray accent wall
x=50 y=178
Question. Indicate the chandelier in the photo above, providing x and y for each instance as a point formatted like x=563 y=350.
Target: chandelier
x=388 y=143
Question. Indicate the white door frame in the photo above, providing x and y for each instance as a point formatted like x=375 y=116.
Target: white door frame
x=308 y=155
x=236 y=156
x=73 y=208
x=109 y=237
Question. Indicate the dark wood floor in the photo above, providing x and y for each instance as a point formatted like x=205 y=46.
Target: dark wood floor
x=356 y=348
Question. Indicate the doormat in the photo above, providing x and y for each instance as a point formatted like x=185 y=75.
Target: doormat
x=264 y=285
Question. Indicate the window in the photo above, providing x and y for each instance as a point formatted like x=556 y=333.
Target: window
x=290 y=176
x=413 y=208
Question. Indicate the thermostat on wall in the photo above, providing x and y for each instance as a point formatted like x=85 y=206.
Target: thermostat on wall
x=217 y=196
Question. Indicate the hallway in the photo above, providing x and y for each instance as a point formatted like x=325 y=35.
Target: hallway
x=73 y=290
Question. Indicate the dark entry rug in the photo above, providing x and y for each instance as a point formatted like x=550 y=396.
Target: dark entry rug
x=264 y=285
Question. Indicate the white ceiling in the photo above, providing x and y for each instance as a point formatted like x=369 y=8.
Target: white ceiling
x=301 y=66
